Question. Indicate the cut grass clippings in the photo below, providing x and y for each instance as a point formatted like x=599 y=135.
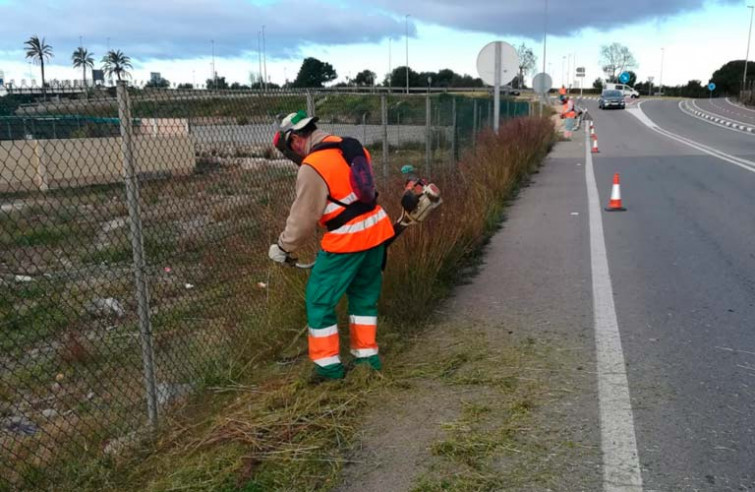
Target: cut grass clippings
x=262 y=426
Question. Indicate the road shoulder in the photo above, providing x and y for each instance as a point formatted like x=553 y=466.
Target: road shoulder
x=500 y=393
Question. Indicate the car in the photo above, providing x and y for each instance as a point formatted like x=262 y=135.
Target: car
x=625 y=90
x=507 y=89
x=611 y=98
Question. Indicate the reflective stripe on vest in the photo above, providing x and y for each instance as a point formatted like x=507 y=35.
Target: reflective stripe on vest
x=360 y=233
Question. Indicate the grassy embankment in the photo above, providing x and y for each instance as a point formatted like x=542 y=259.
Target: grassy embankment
x=266 y=428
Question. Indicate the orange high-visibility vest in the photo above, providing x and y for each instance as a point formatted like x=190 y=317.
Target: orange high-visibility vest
x=361 y=233
x=568 y=110
x=562 y=90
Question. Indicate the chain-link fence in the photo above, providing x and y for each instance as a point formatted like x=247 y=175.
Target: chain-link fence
x=134 y=228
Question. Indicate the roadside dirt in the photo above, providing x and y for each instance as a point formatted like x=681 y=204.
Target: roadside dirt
x=500 y=393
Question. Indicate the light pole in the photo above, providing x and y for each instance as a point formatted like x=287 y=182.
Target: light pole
x=747 y=56
x=406 y=26
x=264 y=57
x=545 y=41
x=660 y=82
x=214 y=73
x=563 y=74
x=390 y=82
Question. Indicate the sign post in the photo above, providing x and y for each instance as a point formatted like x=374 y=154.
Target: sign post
x=581 y=77
x=711 y=88
x=497 y=64
x=542 y=84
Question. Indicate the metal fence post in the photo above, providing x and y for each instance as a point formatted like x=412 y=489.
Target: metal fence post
x=453 y=131
x=130 y=178
x=428 y=132
x=474 y=123
x=384 y=111
x=310 y=104
x=364 y=128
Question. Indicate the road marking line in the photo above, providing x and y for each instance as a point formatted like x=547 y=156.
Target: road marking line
x=737 y=161
x=738 y=106
x=719 y=121
x=621 y=466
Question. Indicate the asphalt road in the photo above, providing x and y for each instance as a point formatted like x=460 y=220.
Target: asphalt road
x=682 y=264
x=723 y=108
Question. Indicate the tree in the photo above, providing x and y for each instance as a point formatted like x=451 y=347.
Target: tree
x=39 y=51
x=185 y=86
x=527 y=61
x=81 y=58
x=598 y=84
x=616 y=58
x=313 y=73
x=728 y=78
x=116 y=63
x=160 y=83
x=398 y=78
x=217 y=83
x=365 y=78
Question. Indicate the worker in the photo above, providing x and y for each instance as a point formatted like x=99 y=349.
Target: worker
x=562 y=93
x=569 y=115
x=352 y=253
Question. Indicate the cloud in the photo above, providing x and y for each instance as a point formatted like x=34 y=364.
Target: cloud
x=184 y=29
x=527 y=17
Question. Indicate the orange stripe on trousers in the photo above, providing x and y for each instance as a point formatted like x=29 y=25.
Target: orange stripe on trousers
x=363 y=336
x=323 y=347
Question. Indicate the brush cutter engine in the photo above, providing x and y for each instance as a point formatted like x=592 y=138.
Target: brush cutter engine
x=418 y=201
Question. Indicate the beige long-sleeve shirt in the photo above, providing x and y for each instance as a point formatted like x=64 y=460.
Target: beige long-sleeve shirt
x=309 y=204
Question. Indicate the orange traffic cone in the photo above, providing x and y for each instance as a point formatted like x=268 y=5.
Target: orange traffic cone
x=615 y=204
x=592 y=132
x=595 y=145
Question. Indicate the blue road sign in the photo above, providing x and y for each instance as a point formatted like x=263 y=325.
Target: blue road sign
x=711 y=87
x=624 y=77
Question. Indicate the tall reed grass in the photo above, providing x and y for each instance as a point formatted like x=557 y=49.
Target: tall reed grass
x=258 y=425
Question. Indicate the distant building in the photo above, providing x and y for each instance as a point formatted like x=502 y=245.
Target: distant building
x=155 y=77
x=98 y=76
x=2 y=78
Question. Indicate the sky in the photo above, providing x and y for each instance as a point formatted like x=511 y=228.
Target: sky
x=673 y=41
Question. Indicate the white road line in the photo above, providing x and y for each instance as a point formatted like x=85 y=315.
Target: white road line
x=621 y=466
x=719 y=122
x=737 y=161
x=739 y=106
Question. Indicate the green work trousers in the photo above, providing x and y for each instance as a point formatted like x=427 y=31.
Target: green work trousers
x=360 y=277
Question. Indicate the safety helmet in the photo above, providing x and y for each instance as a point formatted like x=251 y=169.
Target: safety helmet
x=294 y=122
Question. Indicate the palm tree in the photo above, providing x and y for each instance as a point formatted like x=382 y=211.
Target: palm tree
x=81 y=58
x=116 y=63
x=39 y=51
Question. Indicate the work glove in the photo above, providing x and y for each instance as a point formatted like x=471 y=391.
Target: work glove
x=279 y=255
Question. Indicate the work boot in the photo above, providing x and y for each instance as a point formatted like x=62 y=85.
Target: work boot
x=373 y=361
x=332 y=372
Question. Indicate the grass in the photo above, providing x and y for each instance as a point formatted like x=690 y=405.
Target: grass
x=494 y=444
x=255 y=425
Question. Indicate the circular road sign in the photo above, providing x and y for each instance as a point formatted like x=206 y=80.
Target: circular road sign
x=711 y=87
x=625 y=77
x=486 y=62
x=542 y=83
